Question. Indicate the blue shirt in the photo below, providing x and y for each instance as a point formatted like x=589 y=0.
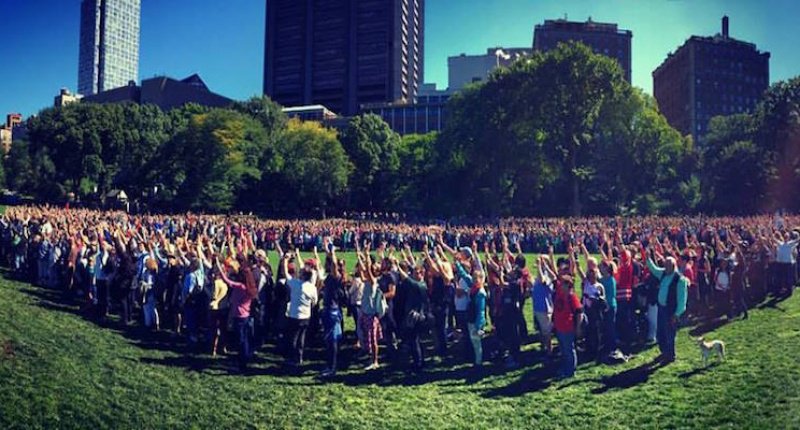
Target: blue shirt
x=610 y=287
x=542 y=296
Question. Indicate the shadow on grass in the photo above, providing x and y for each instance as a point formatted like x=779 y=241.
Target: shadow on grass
x=628 y=378
x=698 y=371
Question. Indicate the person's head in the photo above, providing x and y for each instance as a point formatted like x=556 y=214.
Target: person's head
x=151 y=265
x=567 y=283
x=669 y=265
x=418 y=272
x=562 y=264
x=480 y=278
x=592 y=275
x=308 y=270
x=723 y=264
x=607 y=268
x=520 y=261
x=591 y=264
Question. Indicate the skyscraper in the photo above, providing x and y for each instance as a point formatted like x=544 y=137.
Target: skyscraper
x=109 y=44
x=343 y=53
x=603 y=38
x=710 y=76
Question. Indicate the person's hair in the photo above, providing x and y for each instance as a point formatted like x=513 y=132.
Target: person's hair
x=306 y=275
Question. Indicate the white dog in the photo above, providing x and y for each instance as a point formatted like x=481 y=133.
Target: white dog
x=711 y=347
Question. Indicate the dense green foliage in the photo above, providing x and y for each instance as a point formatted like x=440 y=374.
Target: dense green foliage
x=752 y=162
x=556 y=133
x=59 y=370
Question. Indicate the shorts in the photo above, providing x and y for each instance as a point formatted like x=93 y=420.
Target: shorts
x=545 y=320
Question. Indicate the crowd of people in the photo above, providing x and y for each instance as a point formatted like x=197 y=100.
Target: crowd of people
x=603 y=287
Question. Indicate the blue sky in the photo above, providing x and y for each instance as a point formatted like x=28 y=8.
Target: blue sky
x=223 y=40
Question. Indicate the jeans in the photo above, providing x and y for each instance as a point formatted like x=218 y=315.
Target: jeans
x=297 y=339
x=508 y=331
x=244 y=327
x=440 y=330
x=476 y=343
x=666 y=333
x=625 y=322
x=103 y=298
x=569 y=357
x=461 y=322
x=412 y=337
x=610 y=332
x=652 y=322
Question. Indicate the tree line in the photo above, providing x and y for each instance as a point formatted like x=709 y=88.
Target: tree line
x=557 y=133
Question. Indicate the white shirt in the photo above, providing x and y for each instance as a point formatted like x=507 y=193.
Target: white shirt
x=302 y=296
x=785 y=252
x=723 y=281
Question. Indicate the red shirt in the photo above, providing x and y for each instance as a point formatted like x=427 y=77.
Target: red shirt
x=625 y=277
x=564 y=310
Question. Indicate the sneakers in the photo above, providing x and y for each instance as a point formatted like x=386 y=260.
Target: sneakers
x=327 y=373
x=372 y=366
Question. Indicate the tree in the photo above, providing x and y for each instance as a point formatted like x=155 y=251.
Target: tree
x=555 y=130
x=315 y=168
x=778 y=120
x=372 y=147
x=19 y=168
x=416 y=154
x=205 y=166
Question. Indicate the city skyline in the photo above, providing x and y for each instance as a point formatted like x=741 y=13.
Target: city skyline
x=42 y=42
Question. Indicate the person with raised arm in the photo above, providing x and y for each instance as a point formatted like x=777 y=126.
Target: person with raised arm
x=302 y=297
x=672 y=295
x=542 y=298
x=372 y=306
x=334 y=299
x=416 y=309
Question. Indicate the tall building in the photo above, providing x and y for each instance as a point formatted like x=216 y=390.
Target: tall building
x=109 y=45
x=464 y=69
x=603 y=38
x=710 y=76
x=343 y=53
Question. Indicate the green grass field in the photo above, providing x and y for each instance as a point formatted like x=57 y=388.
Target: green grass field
x=59 y=370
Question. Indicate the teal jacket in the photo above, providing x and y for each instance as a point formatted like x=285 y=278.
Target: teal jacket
x=663 y=288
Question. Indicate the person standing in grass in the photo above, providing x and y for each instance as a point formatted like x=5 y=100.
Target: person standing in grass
x=415 y=309
x=672 y=295
x=243 y=290
x=334 y=299
x=476 y=315
x=218 y=309
x=542 y=293
x=302 y=297
x=610 y=318
x=372 y=306
x=567 y=314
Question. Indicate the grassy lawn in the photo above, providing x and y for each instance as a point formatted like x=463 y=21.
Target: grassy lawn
x=58 y=370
